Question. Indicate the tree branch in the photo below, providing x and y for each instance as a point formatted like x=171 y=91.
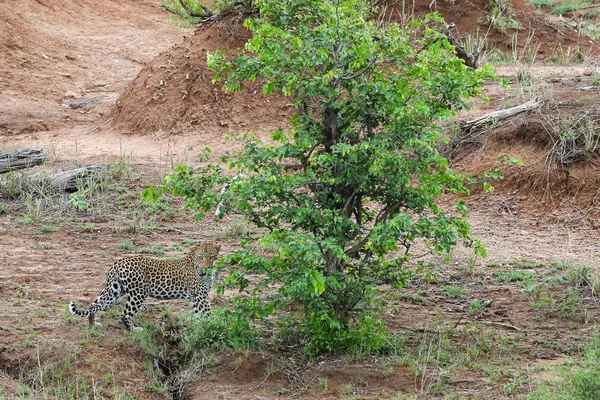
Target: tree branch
x=169 y=9
x=207 y=13
x=384 y=213
x=382 y=216
x=357 y=74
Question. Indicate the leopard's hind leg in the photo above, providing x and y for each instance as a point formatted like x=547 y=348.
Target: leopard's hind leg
x=107 y=297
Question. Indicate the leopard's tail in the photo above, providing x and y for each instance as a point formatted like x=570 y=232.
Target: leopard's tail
x=107 y=297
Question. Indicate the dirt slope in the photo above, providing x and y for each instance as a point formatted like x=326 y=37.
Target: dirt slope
x=57 y=57
x=174 y=93
x=470 y=16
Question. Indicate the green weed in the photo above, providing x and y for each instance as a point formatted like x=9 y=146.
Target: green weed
x=455 y=292
x=88 y=228
x=47 y=229
x=521 y=277
x=126 y=246
x=475 y=307
x=158 y=250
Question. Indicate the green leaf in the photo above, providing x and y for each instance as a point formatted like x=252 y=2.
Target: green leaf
x=318 y=281
x=150 y=194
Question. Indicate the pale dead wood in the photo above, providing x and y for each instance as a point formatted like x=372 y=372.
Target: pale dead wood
x=100 y=126
x=20 y=159
x=67 y=180
x=498 y=116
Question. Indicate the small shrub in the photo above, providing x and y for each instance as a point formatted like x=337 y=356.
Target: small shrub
x=578 y=139
x=569 y=304
x=77 y=200
x=67 y=317
x=541 y=301
x=12 y=185
x=223 y=330
x=23 y=390
x=502 y=16
x=159 y=387
x=24 y=220
x=355 y=341
x=580 y=381
x=542 y=3
x=469 y=266
x=586 y=384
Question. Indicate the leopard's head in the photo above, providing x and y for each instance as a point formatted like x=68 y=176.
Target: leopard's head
x=205 y=255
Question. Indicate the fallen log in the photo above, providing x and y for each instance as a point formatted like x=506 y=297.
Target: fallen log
x=10 y=161
x=497 y=117
x=67 y=181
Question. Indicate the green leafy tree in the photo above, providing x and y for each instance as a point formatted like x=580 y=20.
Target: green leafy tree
x=346 y=192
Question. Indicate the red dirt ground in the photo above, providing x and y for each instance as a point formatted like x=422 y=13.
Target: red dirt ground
x=68 y=67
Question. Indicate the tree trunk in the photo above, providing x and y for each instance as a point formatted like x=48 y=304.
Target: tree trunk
x=20 y=159
x=333 y=264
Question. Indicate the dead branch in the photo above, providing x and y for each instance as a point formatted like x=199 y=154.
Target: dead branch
x=100 y=126
x=169 y=9
x=67 y=180
x=500 y=324
x=498 y=117
x=206 y=14
x=21 y=159
x=470 y=59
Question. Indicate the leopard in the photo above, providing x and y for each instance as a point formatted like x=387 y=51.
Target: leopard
x=141 y=277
